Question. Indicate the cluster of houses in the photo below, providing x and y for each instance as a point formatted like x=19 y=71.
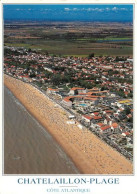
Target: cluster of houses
x=105 y=71
x=99 y=107
x=102 y=112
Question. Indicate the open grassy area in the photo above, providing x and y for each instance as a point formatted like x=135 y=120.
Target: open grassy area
x=70 y=48
x=73 y=40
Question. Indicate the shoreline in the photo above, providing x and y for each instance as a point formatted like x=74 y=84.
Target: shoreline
x=35 y=149
x=89 y=154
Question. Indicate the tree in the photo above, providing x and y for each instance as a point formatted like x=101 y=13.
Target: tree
x=29 y=50
x=130 y=95
x=85 y=84
x=119 y=59
x=48 y=74
x=56 y=79
x=47 y=53
x=110 y=72
x=104 y=88
x=32 y=75
x=130 y=120
x=127 y=111
x=91 y=56
x=121 y=93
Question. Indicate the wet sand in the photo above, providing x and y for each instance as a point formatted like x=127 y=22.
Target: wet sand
x=89 y=153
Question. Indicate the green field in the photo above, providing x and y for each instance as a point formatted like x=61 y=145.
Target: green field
x=70 y=48
x=73 y=40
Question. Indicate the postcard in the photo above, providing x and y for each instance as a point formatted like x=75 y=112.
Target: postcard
x=67 y=97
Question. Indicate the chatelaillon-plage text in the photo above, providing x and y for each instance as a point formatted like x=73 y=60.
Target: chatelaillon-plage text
x=68 y=181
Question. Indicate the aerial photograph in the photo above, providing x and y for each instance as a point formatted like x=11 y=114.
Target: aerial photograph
x=68 y=89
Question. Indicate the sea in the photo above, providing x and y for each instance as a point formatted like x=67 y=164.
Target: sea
x=28 y=147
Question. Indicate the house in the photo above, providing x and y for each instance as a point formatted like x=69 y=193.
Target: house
x=105 y=129
x=130 y=60
x=95 y=113
x=94 y=101
x=26 y=78
x=115 y=127
x=44 y=79
x=108 y=112
x=125 y=133
x=67 y=101
x=96 y=119
x=87 y=118
x=94 y=90
x=52 y=91
x=76 y=90
x=99 y=125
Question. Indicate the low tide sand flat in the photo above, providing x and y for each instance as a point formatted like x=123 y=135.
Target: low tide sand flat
x=89 y=153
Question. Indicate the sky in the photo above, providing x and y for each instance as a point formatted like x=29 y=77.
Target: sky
x=68 y=12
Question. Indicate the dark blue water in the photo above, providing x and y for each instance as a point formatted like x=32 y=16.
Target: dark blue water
x=116 y=40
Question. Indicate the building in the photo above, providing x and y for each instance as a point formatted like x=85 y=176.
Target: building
x=87 y=118
x=52 y=91
x=106 y=129
x=97 y=119
x=67 y=102
x=76 y=90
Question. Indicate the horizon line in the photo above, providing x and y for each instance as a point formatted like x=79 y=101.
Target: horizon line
x=59 y=20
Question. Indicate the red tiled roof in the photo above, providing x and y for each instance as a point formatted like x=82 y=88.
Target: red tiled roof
x=105 y=127
x=126 y=133
x=53 y=89
x=96 y=113
x=129 y=115
x=67 y=100
x=126 y=93
x=96 y=117
x=25 y=76
x=83 y=93
x=93 y=88
x=70 y=97
x=108 y=111
x=87 y=117
x=114 y=125
x=76 y=88
x=100 y=124
x=88 y=98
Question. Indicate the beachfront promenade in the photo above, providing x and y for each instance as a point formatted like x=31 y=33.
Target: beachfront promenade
x=90 y=155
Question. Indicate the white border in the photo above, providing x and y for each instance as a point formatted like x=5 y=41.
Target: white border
x=8 y=184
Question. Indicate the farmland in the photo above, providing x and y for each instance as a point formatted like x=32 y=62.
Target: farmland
x=71 y=38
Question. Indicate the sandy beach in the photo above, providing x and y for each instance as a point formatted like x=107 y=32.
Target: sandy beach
x=89 y=153
x=28 y=147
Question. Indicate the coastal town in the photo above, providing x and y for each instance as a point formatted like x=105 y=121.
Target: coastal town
x=97 y=91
